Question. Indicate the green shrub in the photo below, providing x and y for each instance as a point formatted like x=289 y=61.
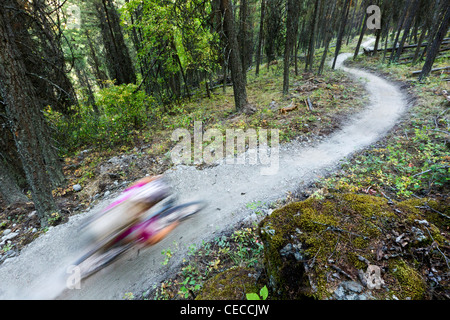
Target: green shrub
x=119 y=113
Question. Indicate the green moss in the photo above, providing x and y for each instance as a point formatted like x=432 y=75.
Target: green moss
x=410 y=283
x=367 y=206
x=360 y=243
x=354 y=260
x=417 y=209
x=232 y=284
x=343 y=227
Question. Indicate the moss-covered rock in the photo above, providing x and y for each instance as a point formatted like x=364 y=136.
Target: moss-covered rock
x=310 y=247
x=232 y=284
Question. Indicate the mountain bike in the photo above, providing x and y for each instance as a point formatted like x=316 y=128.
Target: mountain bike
x=142 y=234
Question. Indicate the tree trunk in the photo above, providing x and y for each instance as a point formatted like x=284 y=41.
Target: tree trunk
x=240 y=92
x=119 y=62
x=99 y=74
x=243 y=37
x=9 y=189
x=433 y=51
x=419 y=45
x=84 y=83
x=314 y=21
x=361 y=35
x=436 y=16
x=22 y=110
x=328 y=35
x=352 y=19
x=386 y=32
x=408 y=24
x=291 y=35
x=344 y=18
x=273 y=27
x=399 y=29
x=261 y=35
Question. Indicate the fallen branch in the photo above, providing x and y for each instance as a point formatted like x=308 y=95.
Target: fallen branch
x=437 y=247
x=342 y=271
x=309 y=104
x=389 y=199
x=432 y=70
x=427 y=207
x=368 y=51
x=426 y=171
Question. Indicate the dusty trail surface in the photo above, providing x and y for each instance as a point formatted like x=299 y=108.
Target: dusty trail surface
x=40 y=270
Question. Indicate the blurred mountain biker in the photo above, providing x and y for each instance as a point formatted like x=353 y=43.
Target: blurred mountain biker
x=127 y=210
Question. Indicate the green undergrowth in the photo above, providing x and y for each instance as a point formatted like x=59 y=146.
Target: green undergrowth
x=238 y=253
x=413 y=160
x=388 y=205
x=131 y=123
x=124 y=115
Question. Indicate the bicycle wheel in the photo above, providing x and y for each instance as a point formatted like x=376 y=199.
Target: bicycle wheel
x=183 y=211
x=96 y=260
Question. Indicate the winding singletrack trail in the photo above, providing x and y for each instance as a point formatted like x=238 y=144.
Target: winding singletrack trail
x=39 y=272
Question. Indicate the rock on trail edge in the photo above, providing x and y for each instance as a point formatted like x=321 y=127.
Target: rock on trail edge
x=41 y=271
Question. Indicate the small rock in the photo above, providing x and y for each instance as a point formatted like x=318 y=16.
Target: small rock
x=372 y=277
x=10 y=236
x=286 y=250
x=298 y=256
x=350 y=290
x=6 y=232
x=424 y=222
x=77 y=188
x=353 y=286
x=418 y=234
x=361 y=258
x=336 y=275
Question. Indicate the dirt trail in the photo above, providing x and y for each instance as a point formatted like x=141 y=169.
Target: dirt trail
x=40 y=270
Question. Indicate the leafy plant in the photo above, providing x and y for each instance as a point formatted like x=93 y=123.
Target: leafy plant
x=168 y=254
x=189 y=284
x=128 y=296
x=263 y=294
x=119 y=113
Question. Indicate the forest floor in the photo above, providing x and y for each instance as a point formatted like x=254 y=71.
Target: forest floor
x=334 y=96
x=101 y=172
x=386 y=169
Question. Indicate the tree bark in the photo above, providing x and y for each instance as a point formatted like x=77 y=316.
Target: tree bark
x=119 y=64
x=261 y=35
x=273 y=27
x=399 y=29
x=99 y=74
x=419 y=45
x=243 y=37
x=437 y=14
x=328 y=35
x=240 y=91
x=9 y=189
x=291 y=35
x=22 y=110
x=310 y=57
x=344 y=18
x=361 y=35
x=406 y=29
x=431 y=55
